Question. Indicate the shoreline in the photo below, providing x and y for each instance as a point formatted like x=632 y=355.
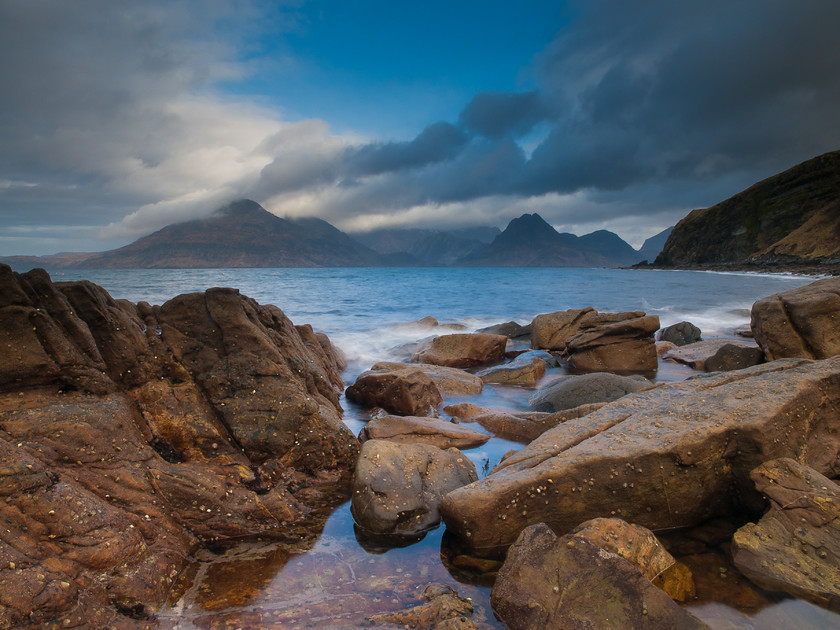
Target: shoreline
x=794 y=269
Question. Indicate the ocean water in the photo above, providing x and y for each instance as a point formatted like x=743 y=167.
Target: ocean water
x=343 y=579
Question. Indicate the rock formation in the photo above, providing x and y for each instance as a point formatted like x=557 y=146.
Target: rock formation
x=400 y=391
x=614 y=342
x=461 y=350
x=131 y=434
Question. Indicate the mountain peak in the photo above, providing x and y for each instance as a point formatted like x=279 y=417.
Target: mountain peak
x=242 y=207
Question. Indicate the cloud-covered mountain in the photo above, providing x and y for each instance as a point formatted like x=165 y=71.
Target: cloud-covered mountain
x=424 y=247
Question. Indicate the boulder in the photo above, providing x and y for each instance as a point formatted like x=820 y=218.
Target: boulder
x=523 y=371
x=665 y=458
x=461 y=350
x=133 y=434
x=639 y=545
x=681 y=334
x=664 y=347
x=695 y=355
x=556 y=582
x=733 y=356
x=413 y=430
x=448 y=380
x=550 y=331
x=568 y=392
x=516 y=426
x=795 y=547
x=802 y=322
x=614 y=342
x=400 y=391
x=397 y=488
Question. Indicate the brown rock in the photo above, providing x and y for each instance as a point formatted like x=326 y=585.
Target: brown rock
x=442 y=604
x=415 y=430
x=461 y=350
x=802 y=322
x=568 y=582
x=397 y=488
x=639 y=545
x=122 y=437
x=669 y=457
x=695 y=355
x=795 y=547
x=404 y=392
x=523 y=371
x=448 y=380
x=614 y=342
x=550 y=331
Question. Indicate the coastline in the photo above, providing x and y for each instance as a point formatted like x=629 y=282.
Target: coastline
x=793 y=269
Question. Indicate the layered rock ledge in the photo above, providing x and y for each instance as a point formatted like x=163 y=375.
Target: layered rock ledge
x=132 y=434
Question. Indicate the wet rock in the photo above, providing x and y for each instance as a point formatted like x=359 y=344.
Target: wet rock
x=795 y=547
x=443 y=605
x=400 y=391
x=461 y=350
x=397 y=488
x=673 y=456
x=802 y=322
x=568 y=392
x=664 y=347
x=414 y=430
x=639 y=545
x=695 y=355
x=734 y=357
x=681 y=334
x=517 y=426
x=448 y=380
x=511 y=330
x=568 y=582
x=524 y=371
x=551 y=331
x=131 y=434
x=614 y=342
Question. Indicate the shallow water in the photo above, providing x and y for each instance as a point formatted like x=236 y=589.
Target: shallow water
x=334 y=579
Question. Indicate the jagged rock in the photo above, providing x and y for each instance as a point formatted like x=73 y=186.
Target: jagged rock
x=695 y=355
x=614 y=342
x=569 y=582
x=550 y=331
x=516 y=426
x=732 y=356
x=397 y=488
x=414 y=430
x=130 y=434
x=795 y=547
x=802 y=322
x=442 y=604
x=568 y=392
x=461 y=350
x=524 y=370
x=681 y=334
x=448 y=380
x=639 y=545
x=400 y=391
x=669 y=457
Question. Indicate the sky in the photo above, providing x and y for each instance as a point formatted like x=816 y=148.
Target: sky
x=118 y=118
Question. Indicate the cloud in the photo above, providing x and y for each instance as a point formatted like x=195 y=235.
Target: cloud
x=496 y=115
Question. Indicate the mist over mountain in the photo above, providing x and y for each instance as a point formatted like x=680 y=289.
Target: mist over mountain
x=427 y=247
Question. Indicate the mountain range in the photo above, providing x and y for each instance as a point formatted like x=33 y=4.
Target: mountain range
x=244 y=234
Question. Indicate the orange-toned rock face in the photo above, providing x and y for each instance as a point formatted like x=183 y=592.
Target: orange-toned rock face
x=462 y=350
x=129 y=434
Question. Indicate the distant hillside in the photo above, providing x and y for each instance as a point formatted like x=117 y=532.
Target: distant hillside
x=529 y=241
x=242 y=234
x=790 y=218
x=426 y=247
x=652 y=246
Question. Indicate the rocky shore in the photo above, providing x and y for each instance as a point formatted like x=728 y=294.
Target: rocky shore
x=134 y=436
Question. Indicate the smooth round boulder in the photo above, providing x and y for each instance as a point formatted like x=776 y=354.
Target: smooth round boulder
x=403 y=392
x=681 y=334
x=568 y=392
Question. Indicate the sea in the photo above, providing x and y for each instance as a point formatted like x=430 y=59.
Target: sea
x=342 y=579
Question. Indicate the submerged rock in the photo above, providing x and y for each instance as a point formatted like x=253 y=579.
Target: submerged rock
x=795 y=547
x=461 y=350
x=397 y=488
x=568 y=392
x=414 y=430
x=802 y=322
x=569 y=582
x=443 y=604
x=132 y=434
x=669 y=457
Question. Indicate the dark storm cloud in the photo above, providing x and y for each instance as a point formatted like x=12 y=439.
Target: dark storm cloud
x=498 y=114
